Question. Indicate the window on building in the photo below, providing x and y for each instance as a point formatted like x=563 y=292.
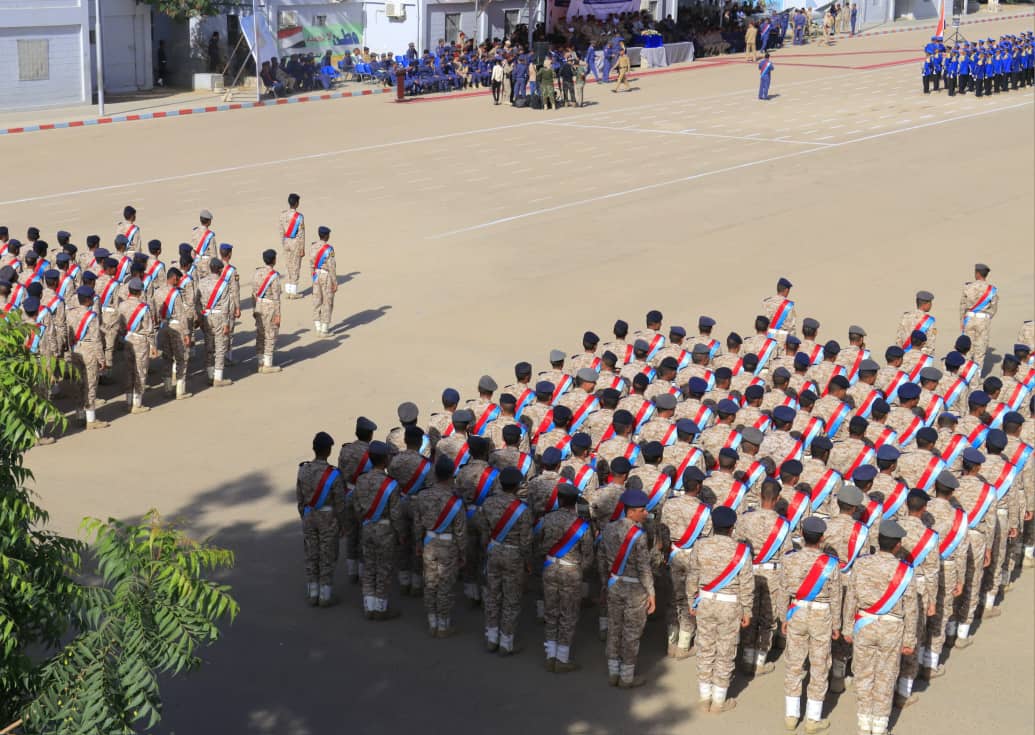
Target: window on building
x=319 y=20
x=452 y=27
x=33 y=60
x=511 y=20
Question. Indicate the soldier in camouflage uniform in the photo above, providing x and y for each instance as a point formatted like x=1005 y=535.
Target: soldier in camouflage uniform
x=440 y=424
x=84 y=339
x=812 y=619
x=504 y=525
x=412 y=470
x=173 y=313
x=979 y=304
x=325 y=281
x=136 y=323
x=215 y=296
x=440 y=531
x=377 y=503
x=565 y=542
x=619 y=346
x=721 y=585
x=475 y=482
x=292 y=238
x=624 y=561
x=982 y=523
x=588 y=357
x=266 y=291
x=910 y=321
x=952 y=554
x=1019 y=436
x=882 y=636
x=353 y=461
x=320 y=496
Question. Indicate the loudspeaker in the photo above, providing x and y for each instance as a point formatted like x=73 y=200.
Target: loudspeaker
x=958 y=7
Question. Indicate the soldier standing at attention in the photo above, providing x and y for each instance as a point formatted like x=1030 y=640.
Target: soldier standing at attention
x=172 y=310
x=353 y=461
x=440 y=532
x=325 y=281
x=412 y=470
x=566 y=542
x=624 y=561
x=780 y=310
x=377 y=505
x=137 y=325
x=320 y=494
x=216 y=308
x=810 y=592
x=721 y=585
x=292 y=238
x=880 y=622
x=85 y=342
x=918 y=320
x=504 y=525
x=765 y=78
x=978 y=305
x=127 y=227
x=226 y=251
x=202 y=242
x=266 y=296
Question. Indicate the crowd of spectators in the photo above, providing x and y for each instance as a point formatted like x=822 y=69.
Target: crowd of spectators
x=298 y=73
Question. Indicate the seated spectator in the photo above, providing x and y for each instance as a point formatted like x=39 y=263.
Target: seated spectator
x=269 y=81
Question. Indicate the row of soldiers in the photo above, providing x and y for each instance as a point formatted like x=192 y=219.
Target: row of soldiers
x=842 y=506
x=985 y=70
x=83 y=306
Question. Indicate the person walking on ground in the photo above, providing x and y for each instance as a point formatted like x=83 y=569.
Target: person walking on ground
x=765 y=70
x=581 y=70
x=546 y=77
x=623 y=71
x=750 y=38
x=497 y=82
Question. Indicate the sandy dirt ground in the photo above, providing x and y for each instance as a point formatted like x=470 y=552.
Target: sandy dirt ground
x=470 y=237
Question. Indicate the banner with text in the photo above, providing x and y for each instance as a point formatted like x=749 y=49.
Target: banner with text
x=313 y=30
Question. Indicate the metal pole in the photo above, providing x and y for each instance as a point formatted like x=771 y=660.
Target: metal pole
x=477 y=25
x=255 y=51
x=100 y=58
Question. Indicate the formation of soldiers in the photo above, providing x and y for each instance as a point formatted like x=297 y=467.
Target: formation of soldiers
x=781 y=491
x=83 y=306
x=985 y=67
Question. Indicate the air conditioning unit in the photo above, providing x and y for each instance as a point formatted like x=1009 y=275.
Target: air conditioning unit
x=395 y=10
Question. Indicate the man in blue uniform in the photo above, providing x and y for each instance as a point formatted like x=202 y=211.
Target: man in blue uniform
x=765 y=68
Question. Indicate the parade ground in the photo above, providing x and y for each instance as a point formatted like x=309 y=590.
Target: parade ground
x=470 y=237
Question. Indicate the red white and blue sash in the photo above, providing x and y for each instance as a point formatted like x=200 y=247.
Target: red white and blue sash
x=380 y=501
x=924 y=325
x=169 y=304
x=824 y=486
x=123 y=269
x=997 y=413
x=1004 y=481
x=1028 y=380
x=615 y=381
x=957 y=532
x=364 y=465
x=693 y=530
x=32 y=342
x=796 y=453
x=853 y=371
x=583 y=476
x=294 y=225
x=446 y=516
x=589 y=405
x=713 y=346
x=909 y=433
x=624 y=552
x=837 y=418
x=871 y=513
x=643 y=416
x=566 y=542
x=323 y=490
x=53 y=303
x=506 y=522
x=895 y=499
x=545 y=427
x=754 y=473
x=669 y=437
x=153 y=272
x=927 y=543
x=984 y=501
x=900 y=379
x=632 y=453
x=741 y=557
x=923 y=362
x=321 y=258
x=764 y=353
x=866 y=407
x=564 y=383
x=838 y=370
x=767 y=67
x=684 y=360
x=738 y=367
x=738 y=491
x=658 y=490
x=781 y=314
x=797 y=507
x=969 y=371
x=935 y=406
x=983 y=302
x=67 y=280
x=491 y=413
x=896 y=589
x=957 y=443
x=418 y=478
x=37 y=272
x=564 y=446
x=773 y=542
x=815 y=426
x=131 y=232
x=955 y=391
x=887 y=434
x=977 y=436
x=266 y=283
x=84 y=325
x=935 y=465
x=703 y=417
x=136 y=318
x=1016 y=396
x=856 y=543
x=813 y=583
x=1020 y=456
x=525 y=463
x=816 y=356
x=709 y=378
x=650 y=372
x=628 y=356
x=866 y=455
x=526 y=399
x=656 y=344
x=693 y=454
x=217 y=292
x=762 y=423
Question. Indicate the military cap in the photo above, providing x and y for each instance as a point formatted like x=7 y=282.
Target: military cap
x=864 y=473
x=653 y=316
x=365 y=424
x=888 y=453
x=963 y=343
x=486 y=384
x=687 y=426
x=63 y=257
x=801 y=360
x=856 y=331
x=809 y=323
x=924 y=296
x=641 y=345
x=551 y=456
x=587 y=375
x=858 y=424
x=908 y=391
x=831 y=348
x=978 y=398
x=225 y=247
x=894 y=353
x=697 y=385
x=35 y=289
x=205 y=214
x=322 y=441
x=973 y=456
x=135 y=284
x=590 y=338
x=1022 y=349
x=556 y=356
x=31 y=305
x=85 y=291
x=750 y=361
x=927 y=434
x=611 y=394
x=752 y=435
x=323 y=231
x=791 y=467
x=890 y=529
x=63 y=234
x=705 y=322
x=640 y=381
x=880 y=407
x=677 y=331
x=463 y=416
x=582 y=440
x=669 y=363
x=918 y=337
x=851 y=495
x=868 y=366
x=782 y=372
x=121 y=240
x=70 y=248
x=783 y=283
x=948 y=417
x=992 y=384
x=931 y=373
x=523 y=369
x=450 y=396
x=154 y=246
x=622 y=418
x=735 y=338
x=510 y=477
x=652 y=451
x=565 y=490
x=508 y=399
x=981 y=268
x=784 y=414
x=840 y=381
x=1009 y=359
x=946 y=479
x=814 y=525
x=512 y=433
x=407 y=412
x=414 y=433
x=665 y=401
x=544 y=388
x=954 y=360
x=918 y=493
x=996 y=439
x=1013 y=418
x=729 y=453
x=638 y=499
x=726 y=407
x=379 y=449
x=723 y=517
x=621 y=328
x=754 y=392
x=619 y=466
x=822 y=443
x=700 y=349
x=51 y=274
x=101 y=254
x=693 y=474
x=89 y=276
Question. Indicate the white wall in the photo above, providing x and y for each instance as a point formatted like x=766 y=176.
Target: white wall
x=381 y=33
x=62 y=23
x=126 y=35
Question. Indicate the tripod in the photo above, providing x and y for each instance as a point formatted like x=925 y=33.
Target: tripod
x=956 y=36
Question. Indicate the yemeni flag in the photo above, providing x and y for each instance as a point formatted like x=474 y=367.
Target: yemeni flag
x=940 y=30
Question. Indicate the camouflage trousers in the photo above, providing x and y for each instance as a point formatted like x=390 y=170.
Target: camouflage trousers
x=909 y=666
x=977 y=329
x=216 y=341
x=759 y=635
x=808 y=637
x=999 y=550
x=170 y=342
x=406 y=560
x=137 y=354
x=943 y=610
x=562 y=592
x=352 y=546
x=841 y=650
x=877 y=649
x=87 y=362
x=266 y=331
x=718 y=629
x=504 y=584
x=966 y=604
x=293 y=260
x=378 y=542
x=323 y=297
x=440 y=567
x=626 y=616
x=472 y=570
x=679 y=611
x=320 y=542
x=109 y=336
